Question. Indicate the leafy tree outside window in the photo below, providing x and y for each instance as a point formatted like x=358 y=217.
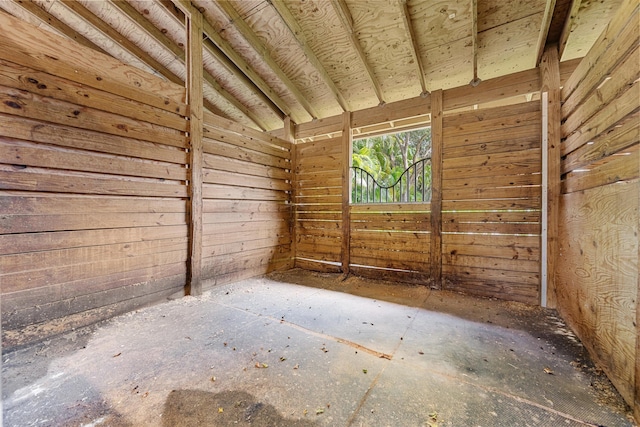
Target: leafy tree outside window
x=392 y=168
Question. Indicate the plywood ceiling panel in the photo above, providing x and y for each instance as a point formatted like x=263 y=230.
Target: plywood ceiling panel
x=315 y=58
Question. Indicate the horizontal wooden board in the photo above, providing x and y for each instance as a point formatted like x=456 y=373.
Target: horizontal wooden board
x=240 y=129
x=48 y=180
x=44 y=51
x=243 y=217
x=238 y=166
x=215 y=236
x=492 y=227
x=319 y=148
x=65 y=136
x=217 y=148
x=492 y=216
x=490 y=204
x=244 y=141
x=34 y=241
x=488 y=182
x=24 y=78
x=493 y=251
x=244 y=181
x=317 y=265
x=230 y=206
x=457 y=121
x=511 y=291
x=506 y=123
x=621 y=136
x=61 y=222
x=492 y=263
x=417 y=278
x=16 y=152
x=215 y=191
x=528 y=161
x=59 y=257
x=491 y=138
x=32 y=106
x=622 y=167
x=28 y=203
x=515 y=192
x=60 y=274
x=461 y=273
x=244 y=246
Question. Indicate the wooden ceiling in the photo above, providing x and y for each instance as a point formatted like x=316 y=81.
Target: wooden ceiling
x=312 y=59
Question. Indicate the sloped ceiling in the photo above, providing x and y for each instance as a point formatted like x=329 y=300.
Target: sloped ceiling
x=312 y=59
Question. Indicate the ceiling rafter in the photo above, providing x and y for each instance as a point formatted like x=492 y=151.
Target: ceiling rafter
x=252 y=39
x=568 y=26
x=222 y=50
x=50 y=20
x=130 y=47
x=544 y=29
x=415 y=49
x=179 y=53
x=291 y=23
x=342 y=10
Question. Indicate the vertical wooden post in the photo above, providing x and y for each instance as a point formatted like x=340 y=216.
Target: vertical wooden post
x=436 y=187
x=195 y=100
x=552 y=117
x=289 y=133
x=346 y=192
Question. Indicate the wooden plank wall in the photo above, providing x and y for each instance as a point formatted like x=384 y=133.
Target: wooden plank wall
x=597 y=275
x=92 y=185
x=391 y=241
x=491 y=201
x=318 y=204
x=247 y=208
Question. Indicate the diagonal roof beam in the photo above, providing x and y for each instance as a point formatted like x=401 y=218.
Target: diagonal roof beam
x=415 y=49
x=297 y=32
x=57 y=24
x=342 y=10
x=544 y=28
x=569 y=24
x=236 y=20
x=223 y=51
x=179 y=53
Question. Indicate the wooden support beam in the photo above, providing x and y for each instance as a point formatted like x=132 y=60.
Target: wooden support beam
x=173 y=47
x=254 y=41
x=346 y=192
x=474 y=41
x=544 y=29
x=289 y=130
x=296 y=30
x=437 y=141
x=552 y=117
x=53 y=22
x=569 y=24
x=415 y=48
x=194 y=96
x=342 y=10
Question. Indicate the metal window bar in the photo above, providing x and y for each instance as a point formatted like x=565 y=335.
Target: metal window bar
x=408 y=187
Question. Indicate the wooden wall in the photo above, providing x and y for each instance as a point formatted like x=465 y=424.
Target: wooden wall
x=491 y=202
x=93 y=215
x=598 y=284
x=391 y=241
x=246 y=202
x=318 y=203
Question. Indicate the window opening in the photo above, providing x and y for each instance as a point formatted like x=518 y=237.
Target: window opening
x=392 y=168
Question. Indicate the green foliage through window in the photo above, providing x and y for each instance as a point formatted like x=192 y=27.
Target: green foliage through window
x=392 y=168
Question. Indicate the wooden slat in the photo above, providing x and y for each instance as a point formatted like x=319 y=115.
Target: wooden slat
x=486 y=182
x=246 y=168
x=622 y=167
x=214 y=191
x=498 y=164
x=33 y=106
x=217 y=148
x=509 y=252
x=487 y=192
x=510 y=278
x=232 y=206
x=491 y=138
x=490 y=204
x=466 y=118
x=491 y=227
x=34 y=241
x=512 y=291
x=65 y=136
x=16 y=152
x=35 y=179
x=256 y=144
x=53 y=54
x=240 y=180
x=24 y=78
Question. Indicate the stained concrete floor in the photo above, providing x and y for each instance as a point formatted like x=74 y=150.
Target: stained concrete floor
x=306 y=349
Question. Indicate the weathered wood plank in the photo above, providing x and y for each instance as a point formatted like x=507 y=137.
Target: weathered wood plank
x=16 y=152
x=243 y=167
x=240 y=180
x=65 y=136
x=24 y=78
x=218 y=148
x=437 y=189
x=619 y=168
x=32 y=106
x=44 y=51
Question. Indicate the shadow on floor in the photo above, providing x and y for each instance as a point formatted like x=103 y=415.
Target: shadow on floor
x=206 y=409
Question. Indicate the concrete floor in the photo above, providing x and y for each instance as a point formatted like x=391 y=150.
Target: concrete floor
x=272 y=352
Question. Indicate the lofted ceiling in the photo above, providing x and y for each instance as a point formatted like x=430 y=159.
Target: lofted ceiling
x=312 y=59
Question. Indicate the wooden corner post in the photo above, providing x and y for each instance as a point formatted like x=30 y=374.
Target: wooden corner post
x=551 y=122
x=289 y=135
x=437 y=140
x=346 y=192
x=195 y=100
